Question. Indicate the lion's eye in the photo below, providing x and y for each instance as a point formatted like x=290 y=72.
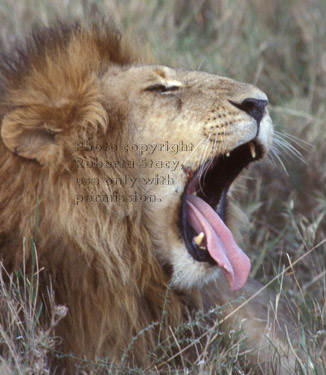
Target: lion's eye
x=161 y=88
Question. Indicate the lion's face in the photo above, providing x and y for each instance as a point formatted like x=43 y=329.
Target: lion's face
x=187 y=133
x=193 y=133
x=122 y=172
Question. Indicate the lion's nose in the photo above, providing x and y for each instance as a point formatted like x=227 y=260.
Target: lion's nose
x=254 y=107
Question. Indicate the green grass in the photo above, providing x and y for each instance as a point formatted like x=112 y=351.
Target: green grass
x=279 y=46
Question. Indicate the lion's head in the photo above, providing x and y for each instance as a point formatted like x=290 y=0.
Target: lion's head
x=130 y=164
x=208 y=129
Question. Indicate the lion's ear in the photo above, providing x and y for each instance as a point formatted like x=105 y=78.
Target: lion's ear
x=27 y=134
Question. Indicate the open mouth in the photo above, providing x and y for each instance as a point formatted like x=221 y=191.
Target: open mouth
x=206 y=235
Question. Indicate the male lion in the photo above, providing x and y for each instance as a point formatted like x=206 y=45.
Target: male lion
x=129 y=166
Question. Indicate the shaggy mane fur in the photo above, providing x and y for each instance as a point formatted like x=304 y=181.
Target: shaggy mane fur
x=111 y=264
x=50 y=85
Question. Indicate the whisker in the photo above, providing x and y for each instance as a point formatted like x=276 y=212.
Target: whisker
x=194 y=150
x=288 y=149
x=276 y=155
x=292 y=139
x=298 y=141
x=204 y=164
x=270 y=157
x=283 y=145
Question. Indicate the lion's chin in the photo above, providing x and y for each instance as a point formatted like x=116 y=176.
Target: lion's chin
x=188 y=273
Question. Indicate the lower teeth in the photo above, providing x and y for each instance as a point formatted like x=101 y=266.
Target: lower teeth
x=199 y=239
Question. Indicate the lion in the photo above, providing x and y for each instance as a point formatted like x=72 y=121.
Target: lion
x=130 y=166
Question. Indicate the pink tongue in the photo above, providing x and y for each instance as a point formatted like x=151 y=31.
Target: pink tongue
x=219 y=241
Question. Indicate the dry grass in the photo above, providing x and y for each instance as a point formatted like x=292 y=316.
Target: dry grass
x=24 y=344
x=279 y=46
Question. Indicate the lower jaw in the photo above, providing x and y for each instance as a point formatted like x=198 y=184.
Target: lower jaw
x=217 y=181
x=188 y=273
x=203 y=208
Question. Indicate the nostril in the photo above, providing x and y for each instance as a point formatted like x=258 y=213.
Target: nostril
x=254 y=107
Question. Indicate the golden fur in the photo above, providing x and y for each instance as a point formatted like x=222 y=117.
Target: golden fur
x=110 y=263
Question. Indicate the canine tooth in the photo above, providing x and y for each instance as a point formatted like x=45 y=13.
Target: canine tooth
x=252 y=149
x=199 y=239
x=227 y=154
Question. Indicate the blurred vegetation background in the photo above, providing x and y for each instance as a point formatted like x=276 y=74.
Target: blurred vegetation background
x=278 y=45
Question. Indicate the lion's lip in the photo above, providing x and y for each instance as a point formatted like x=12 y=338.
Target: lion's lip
x=203 y=210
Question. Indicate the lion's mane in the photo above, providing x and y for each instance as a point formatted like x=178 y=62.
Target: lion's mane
x=112 y=263
x=98 y=258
